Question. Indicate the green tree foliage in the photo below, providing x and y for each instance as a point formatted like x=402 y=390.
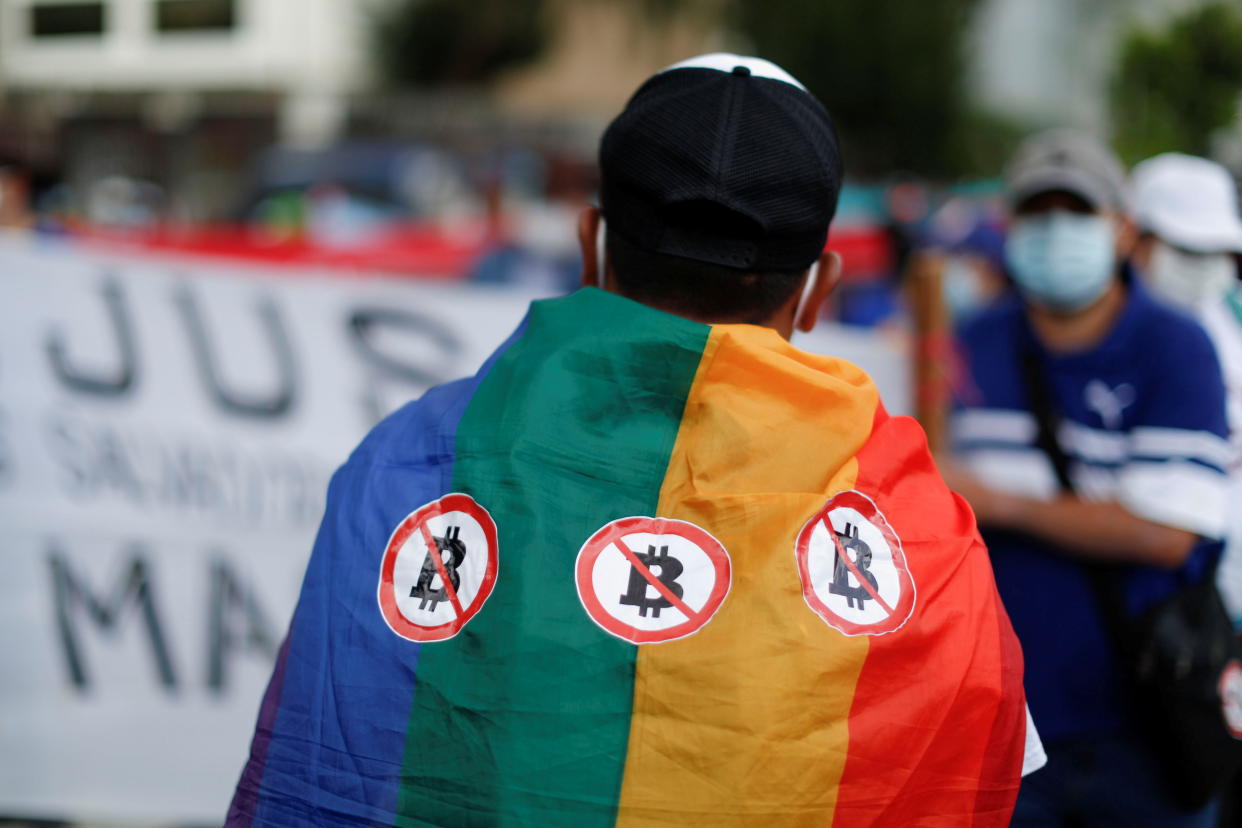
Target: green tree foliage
x=891 y=72
x=1174 y=88
x=434 y=43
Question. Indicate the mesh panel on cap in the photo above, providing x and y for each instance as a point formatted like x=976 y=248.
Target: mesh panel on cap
x=726 y=168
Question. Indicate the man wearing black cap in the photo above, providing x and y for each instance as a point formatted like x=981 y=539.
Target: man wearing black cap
x=1093 y=428
x=721 y=189
x=653 y=564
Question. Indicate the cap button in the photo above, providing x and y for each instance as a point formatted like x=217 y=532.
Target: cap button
x=741 y=70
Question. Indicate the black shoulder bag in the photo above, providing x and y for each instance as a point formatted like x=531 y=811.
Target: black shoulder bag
x=1182 y=658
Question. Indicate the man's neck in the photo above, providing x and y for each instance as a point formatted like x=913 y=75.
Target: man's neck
x=1079 y=331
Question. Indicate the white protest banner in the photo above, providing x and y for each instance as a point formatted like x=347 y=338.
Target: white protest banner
x=167 y=430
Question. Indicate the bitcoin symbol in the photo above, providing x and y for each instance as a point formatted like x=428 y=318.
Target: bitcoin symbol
x=840 y=585
x=636 y=593
x=452 y=553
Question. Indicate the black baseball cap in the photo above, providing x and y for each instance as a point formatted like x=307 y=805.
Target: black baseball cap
x=723 y=159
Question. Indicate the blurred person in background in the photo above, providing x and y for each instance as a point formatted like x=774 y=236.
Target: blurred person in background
x=970 y=237
x=1142 y=434
x=767 y=687
x=1186 y=209
x=14 y=194
x=908 y=204
x=877 y=301
x=537 y=247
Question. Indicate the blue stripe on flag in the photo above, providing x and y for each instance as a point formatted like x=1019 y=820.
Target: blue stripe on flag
x=335 y=752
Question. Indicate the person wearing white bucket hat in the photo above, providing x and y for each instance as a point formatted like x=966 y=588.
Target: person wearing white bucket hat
x=1186 y=209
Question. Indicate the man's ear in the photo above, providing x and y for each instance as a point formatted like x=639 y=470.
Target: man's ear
x=588 y=243
x=829 y=274
x=1125 y=238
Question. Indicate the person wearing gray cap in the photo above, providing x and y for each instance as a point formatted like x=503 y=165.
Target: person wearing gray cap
x=1091 y=438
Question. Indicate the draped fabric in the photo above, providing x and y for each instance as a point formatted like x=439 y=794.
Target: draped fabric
x=858 y=670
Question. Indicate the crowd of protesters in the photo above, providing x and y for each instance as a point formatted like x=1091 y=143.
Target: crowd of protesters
x=1095 y=435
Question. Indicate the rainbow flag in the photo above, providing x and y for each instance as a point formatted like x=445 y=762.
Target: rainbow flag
x=642 y=571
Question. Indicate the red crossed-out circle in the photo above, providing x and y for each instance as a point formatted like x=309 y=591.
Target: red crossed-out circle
x=414 y=522
x=613 y=535
x=896 y=614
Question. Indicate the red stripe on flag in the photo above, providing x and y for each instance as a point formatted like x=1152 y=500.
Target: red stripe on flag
x=938 y=719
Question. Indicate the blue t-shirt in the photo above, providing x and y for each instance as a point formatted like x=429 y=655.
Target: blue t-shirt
x=1143 y=424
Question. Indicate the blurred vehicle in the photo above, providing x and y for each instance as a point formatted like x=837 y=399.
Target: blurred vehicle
x=125 y=202
x=350 y=195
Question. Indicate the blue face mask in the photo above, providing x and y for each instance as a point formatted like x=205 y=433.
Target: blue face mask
x=1061 y=260
x=962 y=287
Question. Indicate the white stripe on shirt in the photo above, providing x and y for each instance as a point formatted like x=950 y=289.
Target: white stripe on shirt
x=1176 y=493
x=1018 y=471
x=994 y=425
x=1148 y=441
x=1094 y=445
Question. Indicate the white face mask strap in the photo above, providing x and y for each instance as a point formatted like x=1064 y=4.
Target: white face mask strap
x=599 y=253
x=808 y=288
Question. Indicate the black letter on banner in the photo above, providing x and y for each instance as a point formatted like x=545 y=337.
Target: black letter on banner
x=365 y=321
x=125 y=377
x=279 y=402
x=135 y=587
x=229 y=600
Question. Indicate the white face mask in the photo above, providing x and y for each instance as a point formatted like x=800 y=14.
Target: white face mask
x=600 y=258
x=962 y=287
x=808 y=287
x=1190 y=280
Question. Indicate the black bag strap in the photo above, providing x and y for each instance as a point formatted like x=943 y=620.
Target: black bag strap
x=1047 y=418
x=1047 y=421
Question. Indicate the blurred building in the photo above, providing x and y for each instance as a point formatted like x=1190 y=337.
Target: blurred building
x=177 y=51
x=168 y=105
x=175 y=91
x=602 y=52
x=1048 y=62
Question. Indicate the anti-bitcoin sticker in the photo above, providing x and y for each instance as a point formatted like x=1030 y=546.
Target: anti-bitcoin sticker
x=647 y=580
x=853 y=569
x=438 y=569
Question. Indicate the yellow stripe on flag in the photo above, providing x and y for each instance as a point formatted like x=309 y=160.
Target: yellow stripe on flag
x=746 y=720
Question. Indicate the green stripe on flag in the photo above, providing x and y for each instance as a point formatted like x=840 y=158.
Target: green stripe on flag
x=524 y=717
